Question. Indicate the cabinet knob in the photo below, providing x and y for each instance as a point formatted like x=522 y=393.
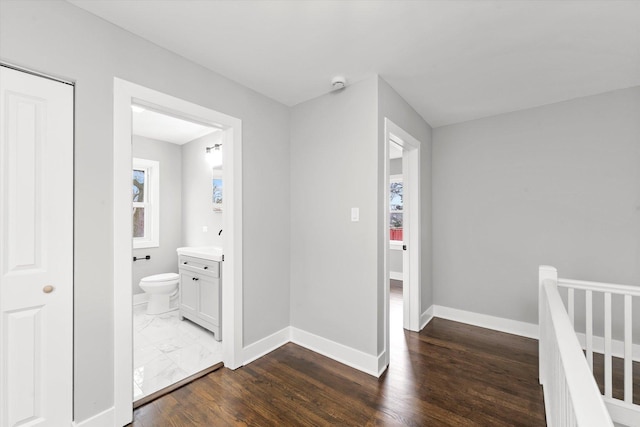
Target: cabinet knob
x=185 y=262
x=205 y=267
x=194 y=278
x=48 y=289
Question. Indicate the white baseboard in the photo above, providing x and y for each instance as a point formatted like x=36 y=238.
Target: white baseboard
x=142 y=298
x=347 y=355
x=529 y=330
x=396 y=275
x=372 y=365
x=105 y=418
x=266 y=345
x=426 y=317
x=617 y=347
x=516 y=327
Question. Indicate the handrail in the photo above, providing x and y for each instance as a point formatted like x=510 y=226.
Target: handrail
x=622 y=410
x=600 y=287
x=587 y=407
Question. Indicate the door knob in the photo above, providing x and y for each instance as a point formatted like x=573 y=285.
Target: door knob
x=48 y=289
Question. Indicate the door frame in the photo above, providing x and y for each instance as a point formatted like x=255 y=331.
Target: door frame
x=125 y=93
x=411 y=270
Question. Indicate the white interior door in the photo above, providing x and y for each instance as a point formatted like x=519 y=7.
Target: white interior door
x=36 y=259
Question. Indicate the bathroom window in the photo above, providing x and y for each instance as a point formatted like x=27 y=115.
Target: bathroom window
x=395 y=207
x=145 y=201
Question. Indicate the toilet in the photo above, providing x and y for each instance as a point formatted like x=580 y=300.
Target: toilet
x=160 y=287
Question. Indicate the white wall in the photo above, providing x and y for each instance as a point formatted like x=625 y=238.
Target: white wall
x=334 y=167
x=197 y=195
x=392 y=106
x=163 y=258
x=557 y=185
x=57 y=38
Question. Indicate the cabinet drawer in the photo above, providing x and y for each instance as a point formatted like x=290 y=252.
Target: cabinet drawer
x=199 y=265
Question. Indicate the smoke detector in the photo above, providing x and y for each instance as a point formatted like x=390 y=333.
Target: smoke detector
x=338 y=82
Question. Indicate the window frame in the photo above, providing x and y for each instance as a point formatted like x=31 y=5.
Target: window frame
x=151 y=204
x=392 y=179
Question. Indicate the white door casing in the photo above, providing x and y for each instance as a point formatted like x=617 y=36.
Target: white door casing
x=36 y=258
x=126 y=93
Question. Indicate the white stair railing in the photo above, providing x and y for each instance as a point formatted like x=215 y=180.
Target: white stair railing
x=622 y=411
x=571 y=395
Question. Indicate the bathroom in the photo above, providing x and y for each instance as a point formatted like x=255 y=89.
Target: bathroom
x=177 y=203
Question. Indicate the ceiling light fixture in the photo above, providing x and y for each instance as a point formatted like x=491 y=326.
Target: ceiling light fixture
x=214 y=155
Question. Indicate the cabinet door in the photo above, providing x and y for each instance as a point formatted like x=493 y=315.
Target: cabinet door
x=188 y=292
x=210 y=300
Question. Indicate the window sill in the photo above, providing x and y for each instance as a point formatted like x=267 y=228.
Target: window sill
x=395 y=245
x=145 y=244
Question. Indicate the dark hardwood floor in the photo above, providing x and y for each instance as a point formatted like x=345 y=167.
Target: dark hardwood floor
x=450 y=374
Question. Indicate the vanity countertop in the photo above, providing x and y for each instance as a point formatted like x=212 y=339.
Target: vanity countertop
x=213 y=253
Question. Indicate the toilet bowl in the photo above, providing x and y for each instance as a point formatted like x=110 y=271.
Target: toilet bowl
x=160 y=287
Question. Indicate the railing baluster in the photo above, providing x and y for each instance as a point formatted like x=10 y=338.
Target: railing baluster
x=589 y=328
x=570 y=301
x=607 y=345
x=628 y=350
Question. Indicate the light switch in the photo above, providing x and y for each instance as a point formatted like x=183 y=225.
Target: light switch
x=355 y=214
x=205 y=229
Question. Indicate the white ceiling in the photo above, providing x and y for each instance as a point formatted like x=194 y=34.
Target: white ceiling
x=453 y=61
x=154 y=125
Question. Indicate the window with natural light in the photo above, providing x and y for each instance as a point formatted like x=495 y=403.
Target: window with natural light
x=395 y=207
x=145 y=202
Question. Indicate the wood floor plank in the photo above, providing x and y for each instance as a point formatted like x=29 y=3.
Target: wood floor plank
x=449 y=374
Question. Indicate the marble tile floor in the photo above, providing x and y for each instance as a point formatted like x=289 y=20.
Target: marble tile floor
x=167 y=350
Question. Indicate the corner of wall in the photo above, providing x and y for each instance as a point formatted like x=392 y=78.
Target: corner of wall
x=426 y=317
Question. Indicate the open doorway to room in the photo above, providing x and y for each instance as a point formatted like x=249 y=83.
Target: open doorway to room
x=396 y=229
x=209 y=261
x=402 y=232
x=173 y=209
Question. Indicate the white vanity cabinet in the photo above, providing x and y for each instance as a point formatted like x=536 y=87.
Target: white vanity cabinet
x=200 y=292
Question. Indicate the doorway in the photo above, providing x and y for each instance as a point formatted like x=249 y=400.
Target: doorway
x=172 y=209
x=127 y=94
x=402 y=223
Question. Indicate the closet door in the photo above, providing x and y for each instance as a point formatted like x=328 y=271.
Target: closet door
x=36 y=251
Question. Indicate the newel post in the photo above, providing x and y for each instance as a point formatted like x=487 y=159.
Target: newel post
x=545 y=272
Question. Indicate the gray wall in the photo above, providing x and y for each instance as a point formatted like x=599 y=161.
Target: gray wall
x=557 y=185
x=395 y=166
x=395 y=260
x=337 y=155
x=58 y=38
x=163 y=258
x=197 y=195
x=334 y=167
x=392 y=106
